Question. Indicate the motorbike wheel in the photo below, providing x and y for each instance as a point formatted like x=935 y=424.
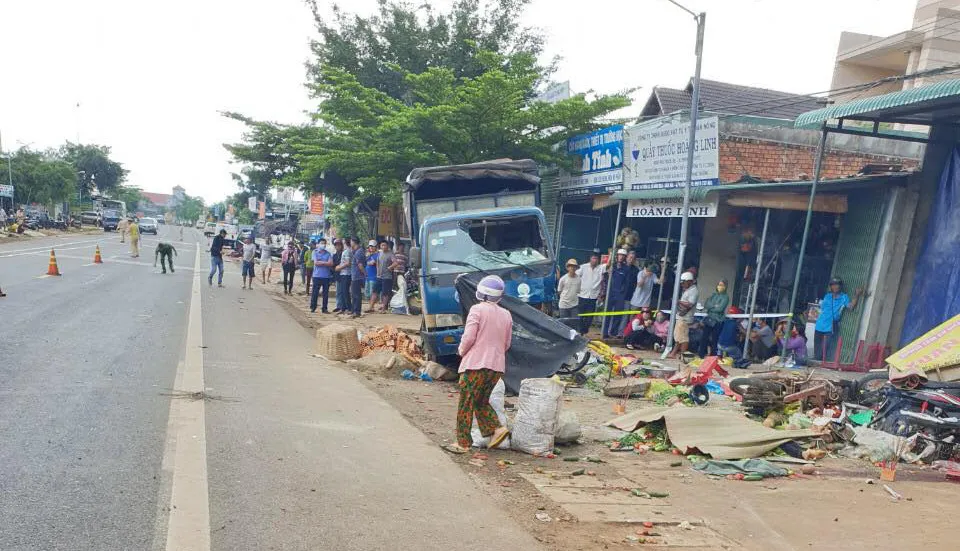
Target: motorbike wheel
x=867 y=390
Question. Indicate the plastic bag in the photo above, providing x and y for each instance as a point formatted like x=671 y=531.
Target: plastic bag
x=496 y=400
x=538 y=416
x=398 y=303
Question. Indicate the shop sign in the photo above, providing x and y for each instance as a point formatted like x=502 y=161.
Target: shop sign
x=558 y=91
x=6 y=190
x=668 y=207
x=316 y=203
x=262 y=210
x=938 y=348
x=657 y=156
x=252 y=203
x=387 y=220
x=599 y=160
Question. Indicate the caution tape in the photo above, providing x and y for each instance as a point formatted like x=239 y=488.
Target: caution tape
x=620 y=313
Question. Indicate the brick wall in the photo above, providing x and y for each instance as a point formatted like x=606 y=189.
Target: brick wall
x=768 y=160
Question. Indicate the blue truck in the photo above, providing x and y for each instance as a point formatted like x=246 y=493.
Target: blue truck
x=480 y=218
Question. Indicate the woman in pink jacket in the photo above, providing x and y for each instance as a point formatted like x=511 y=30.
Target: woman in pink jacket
x=483 y=347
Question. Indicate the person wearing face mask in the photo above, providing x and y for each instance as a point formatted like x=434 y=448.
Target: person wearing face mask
x=715 y=308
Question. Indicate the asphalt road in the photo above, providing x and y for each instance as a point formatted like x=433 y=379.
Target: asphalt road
x=102 y=445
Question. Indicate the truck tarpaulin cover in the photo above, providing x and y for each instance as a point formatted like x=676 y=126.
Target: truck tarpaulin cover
x=499 y=169
x=936 y=285
x=540 y=343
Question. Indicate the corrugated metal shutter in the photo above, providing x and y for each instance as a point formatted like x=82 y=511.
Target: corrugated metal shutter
x=549 y=190
x=856 y=248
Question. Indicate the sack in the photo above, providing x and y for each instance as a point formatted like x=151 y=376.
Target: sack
x=496 y=400
x=538 y=416
x=398 y=303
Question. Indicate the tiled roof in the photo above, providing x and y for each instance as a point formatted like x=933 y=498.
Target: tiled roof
x=723 y=97
x=159 y=199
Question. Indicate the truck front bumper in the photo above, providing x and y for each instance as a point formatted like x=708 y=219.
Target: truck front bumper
x=443 y=342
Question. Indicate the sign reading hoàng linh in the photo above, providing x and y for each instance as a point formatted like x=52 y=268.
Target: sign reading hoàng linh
x=668 y=207
x=657 y=156
x=598 y=164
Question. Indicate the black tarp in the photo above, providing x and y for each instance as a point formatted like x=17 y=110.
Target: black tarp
x=540 y=344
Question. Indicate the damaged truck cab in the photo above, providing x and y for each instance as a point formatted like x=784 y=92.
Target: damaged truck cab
x=482 y=218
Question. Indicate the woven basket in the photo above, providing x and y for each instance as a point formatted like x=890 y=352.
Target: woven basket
x=338 y=342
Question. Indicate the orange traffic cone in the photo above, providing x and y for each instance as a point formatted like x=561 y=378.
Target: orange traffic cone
x=53 y=270
x=96 y=256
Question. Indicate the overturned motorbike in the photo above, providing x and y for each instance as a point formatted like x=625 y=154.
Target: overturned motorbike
x=930 y=410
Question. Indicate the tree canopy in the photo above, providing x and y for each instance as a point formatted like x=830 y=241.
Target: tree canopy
x=94 y=166
x=39 y=177
x=408 y=87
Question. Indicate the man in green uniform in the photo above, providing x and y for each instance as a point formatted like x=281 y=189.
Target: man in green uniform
x=166 y=252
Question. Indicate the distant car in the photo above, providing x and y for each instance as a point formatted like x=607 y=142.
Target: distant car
x=90 y=218
x=209 y=229
x=148 y=225
x=111 y=220
x=161 y=221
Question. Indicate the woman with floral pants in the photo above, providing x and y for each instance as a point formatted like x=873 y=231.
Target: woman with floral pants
x=483 y=348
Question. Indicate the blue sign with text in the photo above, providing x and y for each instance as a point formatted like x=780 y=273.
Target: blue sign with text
x=598 y=167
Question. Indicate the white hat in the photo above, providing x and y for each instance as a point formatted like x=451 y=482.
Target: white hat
x=622 y=251
x=372 y=243
x=686 y=276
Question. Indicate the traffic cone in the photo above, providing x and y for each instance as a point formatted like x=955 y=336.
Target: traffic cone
x=96 y=256
x=52 y=270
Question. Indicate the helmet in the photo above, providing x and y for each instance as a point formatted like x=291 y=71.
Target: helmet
x=836 y=281
x=686 y=276
x=490 y=289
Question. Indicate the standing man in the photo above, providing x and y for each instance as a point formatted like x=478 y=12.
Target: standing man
x=166 y=252
x=134 y=239
x=385 y=264
x=343 y=278
x=633 y=275
x=686 y=308
x=322 y=262
x=247 y=270
x=358 y=274
x=216 y=258
x=617 y=294
x=591 y=276
x=288 y=261
x=827 y=328
x=372 y=289
x=266 y=264
x=568 y=288
x=306 y=265
x=122 y=227
x=646 y=279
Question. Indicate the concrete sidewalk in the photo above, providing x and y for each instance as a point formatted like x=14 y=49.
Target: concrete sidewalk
x=301 y=455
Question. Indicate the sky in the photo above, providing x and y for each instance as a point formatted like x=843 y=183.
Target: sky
x=152 y=78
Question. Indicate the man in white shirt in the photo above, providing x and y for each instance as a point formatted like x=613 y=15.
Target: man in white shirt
x=646 y=279
x=246 y=270
x=568 y=288
x=591 y=276
x=686 y=309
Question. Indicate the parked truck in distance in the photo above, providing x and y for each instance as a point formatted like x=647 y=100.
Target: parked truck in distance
x=480 y=218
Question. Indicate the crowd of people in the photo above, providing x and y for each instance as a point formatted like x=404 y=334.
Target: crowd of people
x=712 y=327
x=357 y=274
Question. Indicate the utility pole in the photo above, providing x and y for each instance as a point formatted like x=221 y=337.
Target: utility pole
x=701 y=20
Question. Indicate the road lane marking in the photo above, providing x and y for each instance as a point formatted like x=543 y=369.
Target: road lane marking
x=8 y=253
x=188 y=521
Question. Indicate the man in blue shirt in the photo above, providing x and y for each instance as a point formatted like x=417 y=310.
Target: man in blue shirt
x=372 y=291
x=618 y=291
x=358 y=274
x=322 y=270
x=216 y=258
x=828 y=323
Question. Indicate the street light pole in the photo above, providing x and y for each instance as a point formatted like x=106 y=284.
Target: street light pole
x=701 y=20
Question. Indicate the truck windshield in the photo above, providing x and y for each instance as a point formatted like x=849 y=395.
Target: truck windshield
x=488 y=244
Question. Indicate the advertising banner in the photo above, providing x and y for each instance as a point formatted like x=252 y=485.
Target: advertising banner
x=6 y=190
x=938 y=348
x=667 y=207
x=599 y=163
x=658 y=154
x=316 y=203
x=252 y=204
x=262 y=210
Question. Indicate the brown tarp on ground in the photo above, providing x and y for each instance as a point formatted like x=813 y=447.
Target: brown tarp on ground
x=720 y=433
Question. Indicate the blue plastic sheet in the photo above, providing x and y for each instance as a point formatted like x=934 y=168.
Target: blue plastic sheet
x=936 y=284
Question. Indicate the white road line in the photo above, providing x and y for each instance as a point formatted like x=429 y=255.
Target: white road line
x=47 y=247
x=188 y=523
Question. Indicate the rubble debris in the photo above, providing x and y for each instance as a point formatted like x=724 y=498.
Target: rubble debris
x=438 y=372
x=383 y=363
x=543 y=517
x=389 y=338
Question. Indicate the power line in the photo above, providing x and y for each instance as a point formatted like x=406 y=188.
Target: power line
x=922 y=28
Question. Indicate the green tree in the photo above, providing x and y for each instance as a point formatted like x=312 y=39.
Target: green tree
x=408 y=88
x=129 y=195
x=40 y=177
x=94 y=167
x=190 y=209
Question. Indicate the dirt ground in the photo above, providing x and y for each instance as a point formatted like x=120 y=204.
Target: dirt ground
x=836 y=506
